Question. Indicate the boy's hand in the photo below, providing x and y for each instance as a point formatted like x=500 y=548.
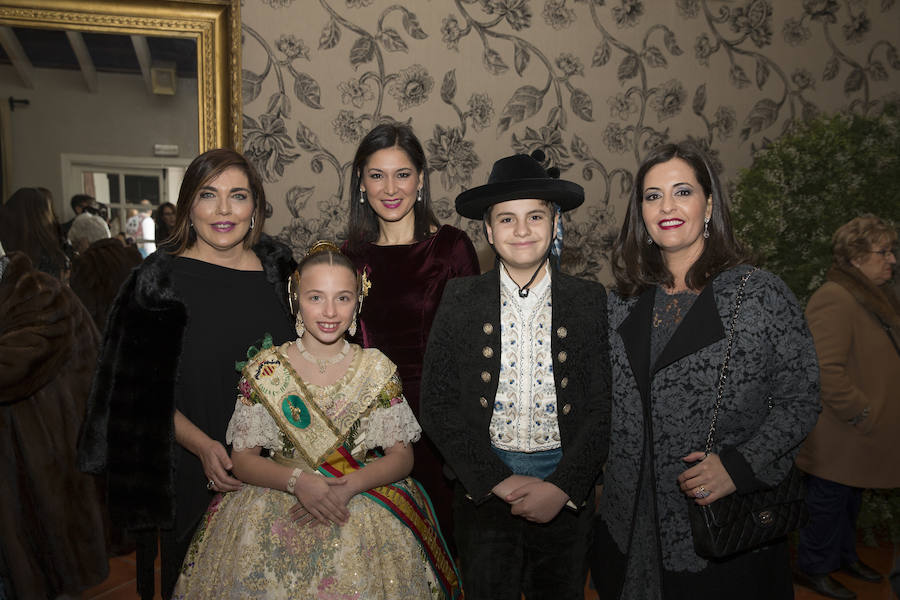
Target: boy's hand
x=511 y=484
x=537 y=501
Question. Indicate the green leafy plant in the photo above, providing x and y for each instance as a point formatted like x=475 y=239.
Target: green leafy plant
x=809 y=182
x=879 y=517
x=798 y=191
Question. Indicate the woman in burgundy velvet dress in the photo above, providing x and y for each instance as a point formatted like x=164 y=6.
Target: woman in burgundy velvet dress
x=394 y=235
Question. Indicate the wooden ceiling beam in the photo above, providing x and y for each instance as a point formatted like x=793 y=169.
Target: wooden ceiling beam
x=142 y=50
x=88 y=70
x=17 y=56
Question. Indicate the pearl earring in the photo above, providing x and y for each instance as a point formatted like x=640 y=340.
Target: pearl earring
x=362 y=196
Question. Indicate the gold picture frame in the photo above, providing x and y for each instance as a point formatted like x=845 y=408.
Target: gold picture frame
x=214 y=24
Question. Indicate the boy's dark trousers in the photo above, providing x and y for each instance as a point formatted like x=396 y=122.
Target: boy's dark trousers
x=502 y=556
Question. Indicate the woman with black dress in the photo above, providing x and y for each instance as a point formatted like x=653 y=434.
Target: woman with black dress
x=164 y=389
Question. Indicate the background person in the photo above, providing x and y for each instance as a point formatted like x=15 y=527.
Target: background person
x=78 y=202
x=394 y=236
x=677 y=267
x=164 y=220
x=97 y=274
x=855 y=322
x=51 y=529
x=142 y=229
x=28 y=225
x=164 y=389
x=86 y=229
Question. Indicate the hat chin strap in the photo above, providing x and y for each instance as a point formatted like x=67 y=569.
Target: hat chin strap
x=523 y=289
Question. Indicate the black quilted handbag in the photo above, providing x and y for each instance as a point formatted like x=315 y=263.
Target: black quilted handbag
x=740 y=522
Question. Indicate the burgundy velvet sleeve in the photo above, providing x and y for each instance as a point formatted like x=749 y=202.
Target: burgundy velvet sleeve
x=463 y=258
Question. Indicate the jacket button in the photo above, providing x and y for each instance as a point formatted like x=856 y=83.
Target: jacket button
x=562 y=332
x=487 y=328
x=487 y=351
x=567 y=408
x=562 y=356
x=564 y=383
x=483 y=401
x=485 y=376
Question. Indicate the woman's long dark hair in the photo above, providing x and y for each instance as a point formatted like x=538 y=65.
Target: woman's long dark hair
x=28 y=224
x=363 y=222
x=162 y=230
x=638 y=265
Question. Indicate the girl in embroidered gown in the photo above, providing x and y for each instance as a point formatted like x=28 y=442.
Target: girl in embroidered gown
x=323 y=513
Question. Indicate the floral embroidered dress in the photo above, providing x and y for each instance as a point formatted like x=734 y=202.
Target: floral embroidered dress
x=391 y=548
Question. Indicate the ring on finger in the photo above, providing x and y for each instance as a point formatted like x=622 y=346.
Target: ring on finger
x=210 y=484
x=701 y=492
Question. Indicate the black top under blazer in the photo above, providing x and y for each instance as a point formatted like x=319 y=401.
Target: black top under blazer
x=462 y=368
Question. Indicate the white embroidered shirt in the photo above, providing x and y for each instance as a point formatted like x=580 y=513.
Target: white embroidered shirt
x=524 y=418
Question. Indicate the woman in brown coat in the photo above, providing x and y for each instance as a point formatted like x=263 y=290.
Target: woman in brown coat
x=51 y=527
x=855 y=321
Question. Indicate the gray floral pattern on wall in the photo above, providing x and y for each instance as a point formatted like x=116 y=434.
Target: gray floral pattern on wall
x=594 y=84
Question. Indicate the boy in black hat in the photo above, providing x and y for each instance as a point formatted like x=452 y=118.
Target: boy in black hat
x=516 y=394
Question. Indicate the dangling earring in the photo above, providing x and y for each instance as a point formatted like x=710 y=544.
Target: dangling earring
x=298 y=324
x=649 y=240
x=706 y=228
x=352 y=329
x=252 y=221
x=419 y=195
x=362 y=196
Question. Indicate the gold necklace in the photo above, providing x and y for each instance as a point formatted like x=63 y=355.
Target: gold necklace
x=322 y=363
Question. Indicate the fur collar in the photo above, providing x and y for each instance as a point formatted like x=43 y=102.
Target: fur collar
x=880 y=301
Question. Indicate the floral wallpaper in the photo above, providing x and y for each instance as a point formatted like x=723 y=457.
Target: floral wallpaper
x=595 y=84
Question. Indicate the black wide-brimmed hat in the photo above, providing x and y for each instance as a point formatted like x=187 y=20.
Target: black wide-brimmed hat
x=520 y=177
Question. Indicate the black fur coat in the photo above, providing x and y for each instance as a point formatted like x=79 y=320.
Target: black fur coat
x=129 y=432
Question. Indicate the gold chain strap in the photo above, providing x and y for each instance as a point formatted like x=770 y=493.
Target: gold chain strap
x=724 y=373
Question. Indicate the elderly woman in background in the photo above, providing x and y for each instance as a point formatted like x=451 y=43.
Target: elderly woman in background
x=855 y=322
x=86 y=229
x=164 y=388
x=678 y=269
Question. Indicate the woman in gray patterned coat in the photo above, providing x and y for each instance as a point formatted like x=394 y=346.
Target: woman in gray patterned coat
x=678 y=267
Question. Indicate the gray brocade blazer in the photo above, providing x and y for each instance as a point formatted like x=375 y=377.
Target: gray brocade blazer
x=461 y=371
x=770 y=403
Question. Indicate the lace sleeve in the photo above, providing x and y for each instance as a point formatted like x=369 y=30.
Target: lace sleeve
x=251 y=425
x=391 y=424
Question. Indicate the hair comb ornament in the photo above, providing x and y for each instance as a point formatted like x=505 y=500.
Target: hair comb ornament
x=323 y=246
x=365 y=284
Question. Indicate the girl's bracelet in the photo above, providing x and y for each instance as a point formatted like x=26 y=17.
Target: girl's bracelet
x=292 y=481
